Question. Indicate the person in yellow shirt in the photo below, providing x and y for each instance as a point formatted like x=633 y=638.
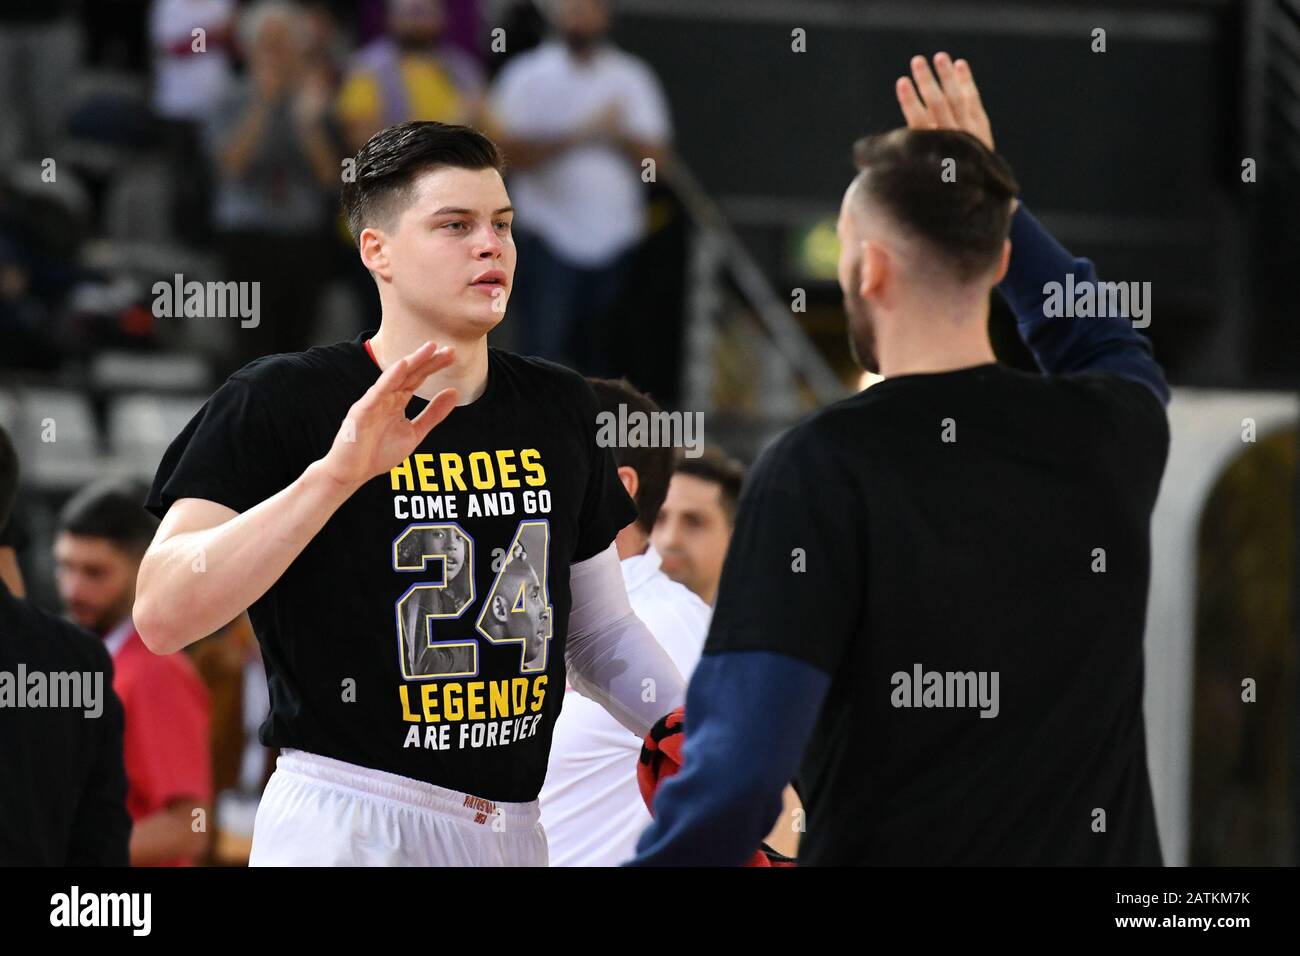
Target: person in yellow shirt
x=408 y=74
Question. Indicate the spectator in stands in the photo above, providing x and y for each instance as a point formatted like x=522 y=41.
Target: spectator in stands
x=577 y=119
x=410 y=73
x=327 y=47
x=38 y=53
x=275 y=164
x=696 y=521
x=191 y=79
x=191 y=73
x=103 y=533
x=63 y=786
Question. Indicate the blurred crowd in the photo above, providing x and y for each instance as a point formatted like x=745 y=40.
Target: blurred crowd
x=209 y=139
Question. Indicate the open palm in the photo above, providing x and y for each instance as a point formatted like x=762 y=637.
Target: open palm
x=952 y=101
x=376 y=435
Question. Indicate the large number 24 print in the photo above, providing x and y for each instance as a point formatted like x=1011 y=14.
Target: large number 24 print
x=517 y=609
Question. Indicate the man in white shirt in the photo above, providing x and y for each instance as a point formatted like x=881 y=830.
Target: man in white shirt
x=592 y=810
x=191 y=49
x=581 y=123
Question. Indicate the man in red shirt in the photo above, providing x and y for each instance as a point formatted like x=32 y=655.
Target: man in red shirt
x=103 y=532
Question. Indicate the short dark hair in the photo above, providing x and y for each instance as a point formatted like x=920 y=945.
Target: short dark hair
x=720 y=469
x=965 y=220
x=8 y=477
x=113 y=509
x=386 y=167
x=653 y=466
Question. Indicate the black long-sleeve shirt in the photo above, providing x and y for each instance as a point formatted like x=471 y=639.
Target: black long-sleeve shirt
x=933 y=607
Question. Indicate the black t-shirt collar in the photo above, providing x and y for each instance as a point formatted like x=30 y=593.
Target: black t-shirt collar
x=370 y=370
x=951 y=375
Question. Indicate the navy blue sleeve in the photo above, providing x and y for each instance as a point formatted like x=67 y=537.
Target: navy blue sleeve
x=748 y=717
x=1062 y=343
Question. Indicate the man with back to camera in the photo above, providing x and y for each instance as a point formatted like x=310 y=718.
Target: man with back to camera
x=912 y=612
x=291 y=494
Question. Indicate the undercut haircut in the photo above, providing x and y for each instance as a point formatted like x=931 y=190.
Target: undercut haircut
x=653 y=466
x=387 y=166
x=964 y=217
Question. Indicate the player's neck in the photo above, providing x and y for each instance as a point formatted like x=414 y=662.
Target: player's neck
x=936 y=342
x=631 y=541
x=467 y=374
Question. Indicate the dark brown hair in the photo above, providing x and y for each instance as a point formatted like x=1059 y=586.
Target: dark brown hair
x=387 y=165
x=112 y=509
x=966 y=217
x=653 y=466
x=723 y=471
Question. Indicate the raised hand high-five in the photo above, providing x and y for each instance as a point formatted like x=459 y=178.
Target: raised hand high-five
x=376 y=435
x=952 y=101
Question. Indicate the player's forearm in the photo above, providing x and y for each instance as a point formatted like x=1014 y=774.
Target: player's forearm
x=196 y=582
x=625 y=670
x=1066 y=342
x=612 y=657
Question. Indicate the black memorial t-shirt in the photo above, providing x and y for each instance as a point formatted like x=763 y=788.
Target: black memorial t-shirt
x=422 y=630
x=966 y=555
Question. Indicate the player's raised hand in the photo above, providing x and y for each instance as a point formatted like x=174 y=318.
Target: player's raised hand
x=950 y=101
x=376 y=435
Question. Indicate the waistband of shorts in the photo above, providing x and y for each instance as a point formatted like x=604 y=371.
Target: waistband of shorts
x=406 y=790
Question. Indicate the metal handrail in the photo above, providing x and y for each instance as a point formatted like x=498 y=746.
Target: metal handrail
x=725 y=247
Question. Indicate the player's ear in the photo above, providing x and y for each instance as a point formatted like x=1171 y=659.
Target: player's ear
x=1004 y=262
x=499 y=609
x=875 y=265
x=373 y=246
x=631 y=480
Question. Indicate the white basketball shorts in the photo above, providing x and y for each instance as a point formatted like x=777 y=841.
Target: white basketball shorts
x=322 y=812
